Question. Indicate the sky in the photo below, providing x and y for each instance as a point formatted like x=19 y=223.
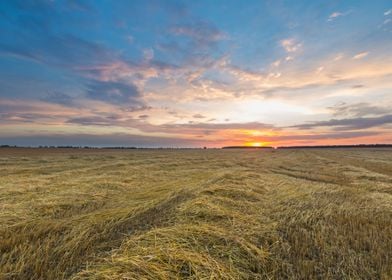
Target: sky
x=195 y=73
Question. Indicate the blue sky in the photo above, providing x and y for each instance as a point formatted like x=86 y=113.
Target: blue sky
x=195 y=73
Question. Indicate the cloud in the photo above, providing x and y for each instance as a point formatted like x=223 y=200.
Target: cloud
x=335 y=15
x=387 y=13
x=276 y=63
x=95 y=120
x=17 y=113
x=118 y=93
x=290 y=82
x=349 y=124
x=338 y=57
x=243 y=74
x=359 y=109
x=320 y=69
x=287 y=91
x=57 y=50
x=291 y=45
x=18 y=118
x=360 y=55
x=41 y=32
x=120 y=70
x=137 y=108
x=386 y=21
x=219 y=126
x=59 y=98
x=199 y=116
x=105 y=121
x=201 y=33
x=148 y=54
x=189 y=129
x=302 y=137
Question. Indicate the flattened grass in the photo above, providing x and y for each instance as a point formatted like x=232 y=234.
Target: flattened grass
x=215 y=214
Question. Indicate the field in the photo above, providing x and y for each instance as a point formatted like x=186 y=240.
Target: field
x=195 y=214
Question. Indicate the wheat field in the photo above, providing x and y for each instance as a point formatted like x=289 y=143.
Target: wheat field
x=195 y=214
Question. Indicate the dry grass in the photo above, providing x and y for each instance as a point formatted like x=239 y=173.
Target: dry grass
x=196 y=214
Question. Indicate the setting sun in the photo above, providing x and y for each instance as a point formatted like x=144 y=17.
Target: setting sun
x=254 y=144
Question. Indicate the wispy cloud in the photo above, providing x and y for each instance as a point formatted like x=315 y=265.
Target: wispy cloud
x=57 y=50
x=201 y=33
x=144 y=117
x=360 y=55
x=334 y=15
x=59 y=98
x=349 y=124
x=337 y=14
x=361 y=109
x=338 y=57
x=276 y=63
x=198 y=116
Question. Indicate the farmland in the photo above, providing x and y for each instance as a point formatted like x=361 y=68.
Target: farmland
x=195 y=214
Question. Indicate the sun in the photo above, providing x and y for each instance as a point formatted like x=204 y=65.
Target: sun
x=255 y=144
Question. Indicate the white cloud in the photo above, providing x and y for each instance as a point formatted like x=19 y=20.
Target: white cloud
x=319 y=69
x=387 y=13
x=276 y=63
x=338 y=57
x=334 y=15
x=288 y=58
x=274 y=75
x=291 y=45
x=360 y=55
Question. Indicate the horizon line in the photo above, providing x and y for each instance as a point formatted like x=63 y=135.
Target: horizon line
x=375 y=145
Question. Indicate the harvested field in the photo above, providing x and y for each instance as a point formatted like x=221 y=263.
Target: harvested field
x=195 y=214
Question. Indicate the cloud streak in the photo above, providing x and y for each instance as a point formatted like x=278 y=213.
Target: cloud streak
x=360 y=55
x=202 y=34
x=349 y=124
x=337 y=14
x=359 y=109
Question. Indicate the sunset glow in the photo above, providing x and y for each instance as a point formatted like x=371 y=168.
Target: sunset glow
x=256 y=144
x=195 y=73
